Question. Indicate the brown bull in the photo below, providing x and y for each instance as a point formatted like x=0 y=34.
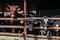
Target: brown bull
x=12 y=10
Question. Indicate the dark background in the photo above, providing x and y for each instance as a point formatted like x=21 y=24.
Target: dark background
x=46 y=7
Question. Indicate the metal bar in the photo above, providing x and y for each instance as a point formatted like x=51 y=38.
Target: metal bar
x=11 y=26
x=48 y=18
x=11 y=19
x=29 y=35
x=11 y=34
x=40 y=36
x=27 y=18
x=50 y=28
x=25 y=28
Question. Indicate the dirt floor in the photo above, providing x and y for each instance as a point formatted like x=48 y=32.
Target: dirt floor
x=21 y=38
